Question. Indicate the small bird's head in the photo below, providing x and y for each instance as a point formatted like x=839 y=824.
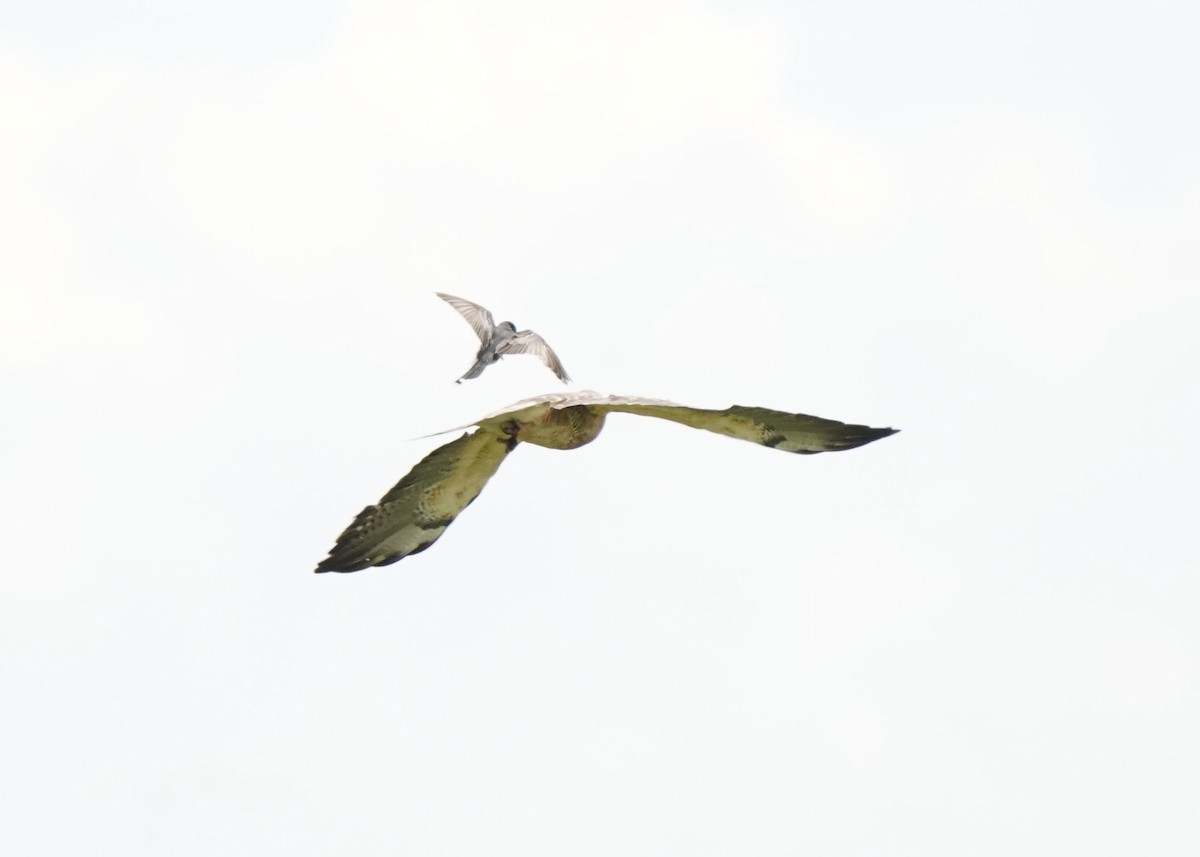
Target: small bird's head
x=507 y=325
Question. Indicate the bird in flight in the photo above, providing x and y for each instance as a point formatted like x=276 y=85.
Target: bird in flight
x=411 y=517
x=496 y=340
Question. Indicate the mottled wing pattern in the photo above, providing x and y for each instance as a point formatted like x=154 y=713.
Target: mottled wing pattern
x=528 y=342
x=412 y=516
x=478 y=317
x=777 y=429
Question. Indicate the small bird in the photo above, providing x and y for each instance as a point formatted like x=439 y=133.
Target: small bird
x=424 y=503
x=500 y=339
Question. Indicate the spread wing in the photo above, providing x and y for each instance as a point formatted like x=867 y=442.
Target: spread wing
x=528 y=342
x=417 y=511
x=777 y=429
x=478 y=317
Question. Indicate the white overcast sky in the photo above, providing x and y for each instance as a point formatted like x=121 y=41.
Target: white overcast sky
x=221 y=227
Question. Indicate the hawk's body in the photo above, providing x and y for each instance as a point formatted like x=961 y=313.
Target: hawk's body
x=412 y=516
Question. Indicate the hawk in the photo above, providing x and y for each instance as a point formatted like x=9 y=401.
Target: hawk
x=496 y=340
x=415 y=513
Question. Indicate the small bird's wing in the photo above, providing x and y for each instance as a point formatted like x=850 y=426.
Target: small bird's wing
x=528 y=342
x=417 y=511
x=777 y=429
x=478 y=317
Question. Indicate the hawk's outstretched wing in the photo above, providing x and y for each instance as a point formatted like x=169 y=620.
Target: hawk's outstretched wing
x=417 y=511
x=478 y=317
x=776 y=429
x=528 y=342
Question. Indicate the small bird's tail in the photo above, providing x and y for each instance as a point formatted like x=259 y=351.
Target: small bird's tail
x=474 y=372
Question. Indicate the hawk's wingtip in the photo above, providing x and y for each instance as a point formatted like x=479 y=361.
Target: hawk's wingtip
x=328 y=564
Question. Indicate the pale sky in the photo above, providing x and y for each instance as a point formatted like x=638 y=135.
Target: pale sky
x=221 y=228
